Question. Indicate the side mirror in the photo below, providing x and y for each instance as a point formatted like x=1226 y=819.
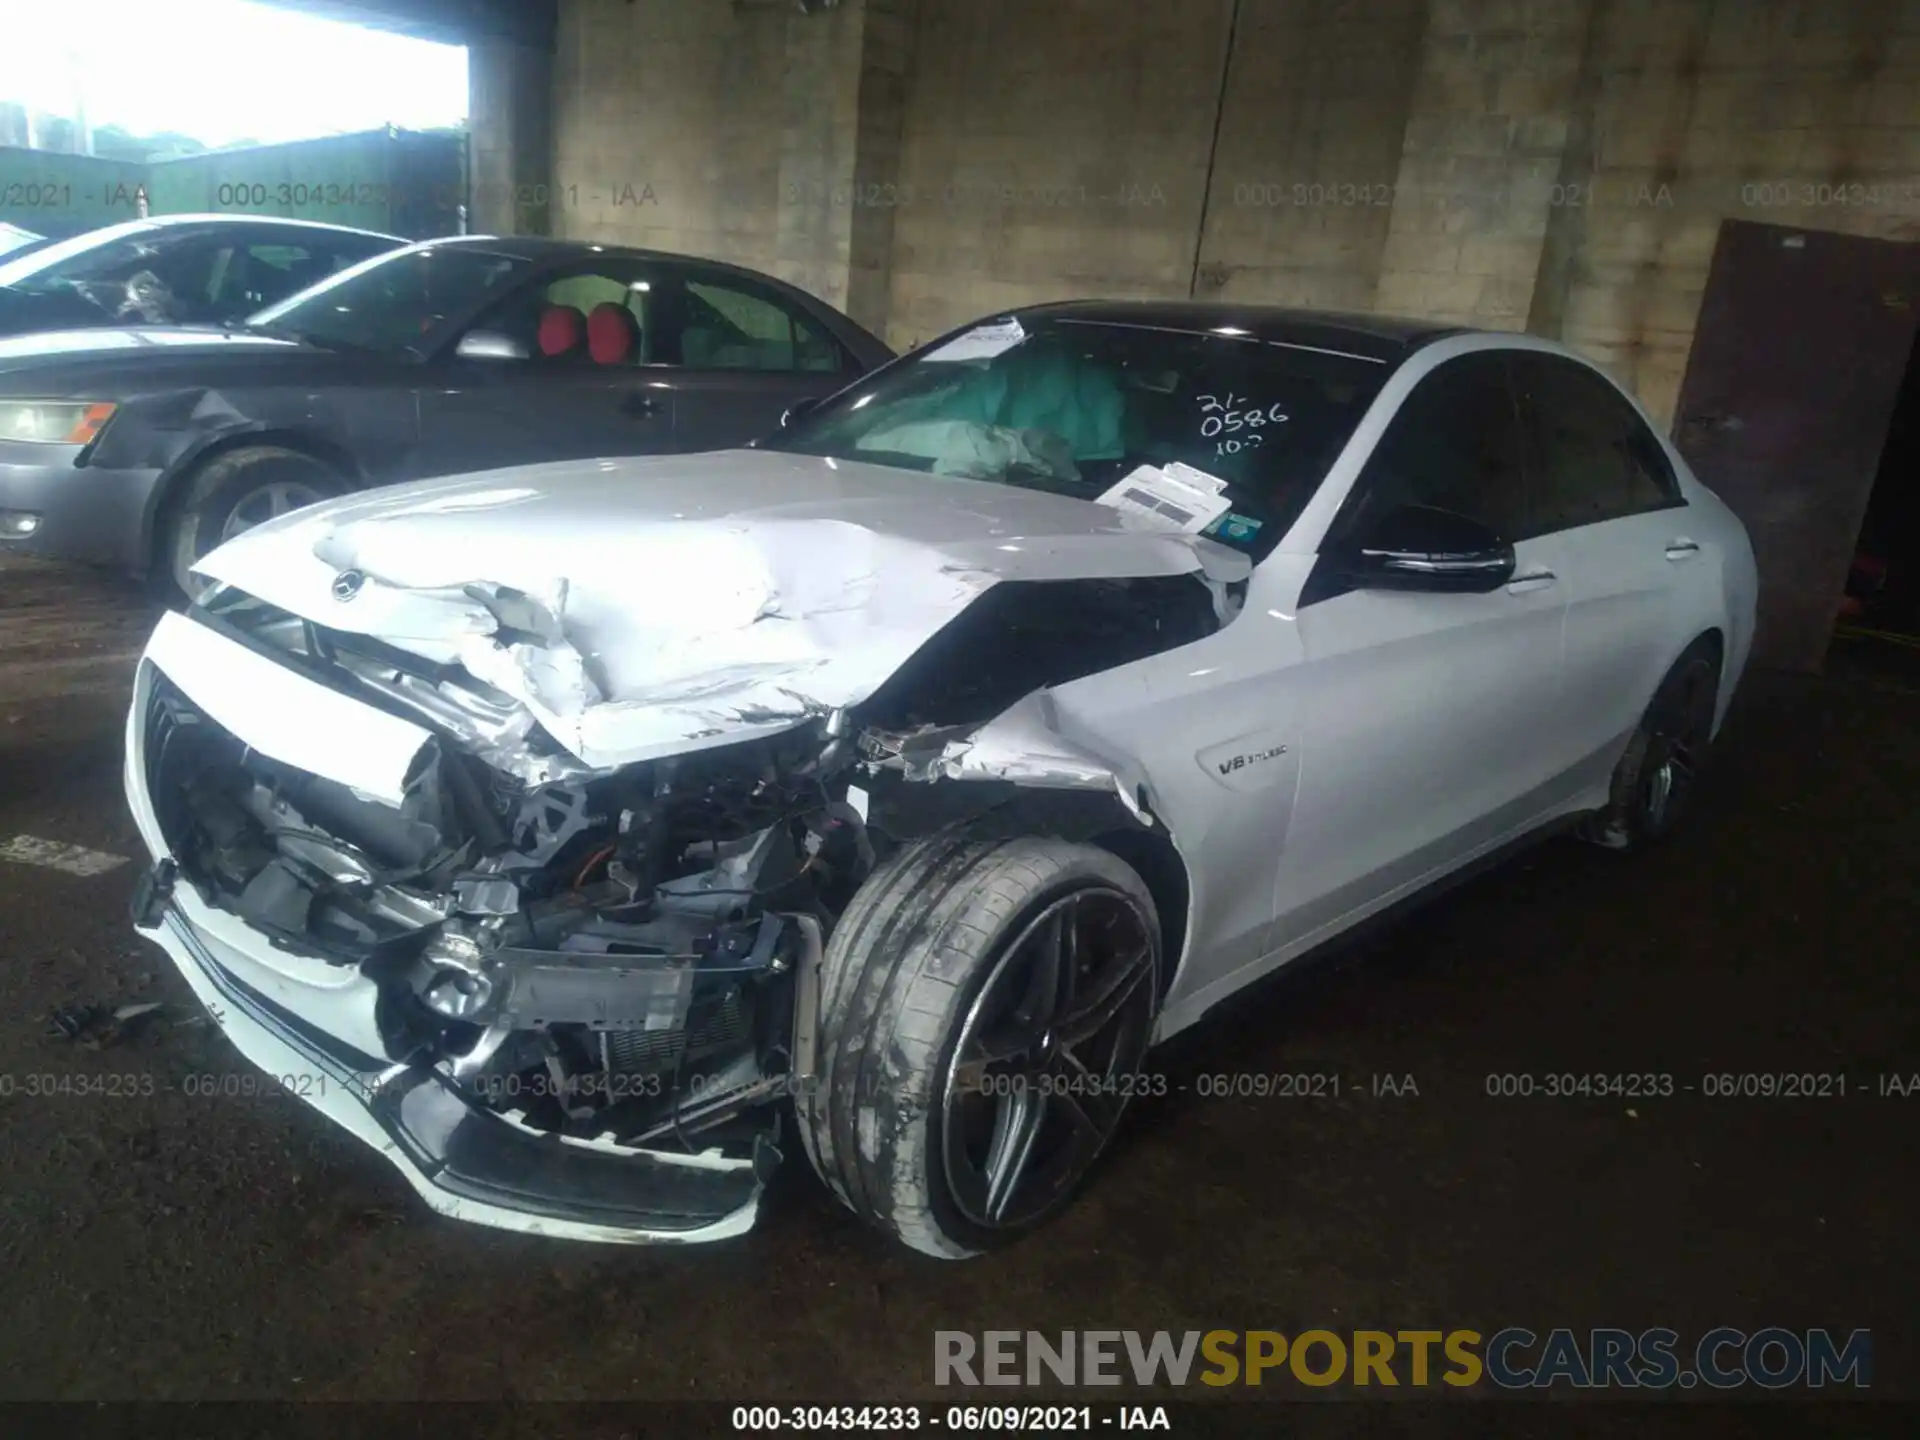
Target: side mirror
x=1420 y=548
x=798 y=410
x=489 y=345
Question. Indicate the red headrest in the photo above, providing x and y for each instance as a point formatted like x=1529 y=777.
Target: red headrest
x=612 y=333
x=562 y=327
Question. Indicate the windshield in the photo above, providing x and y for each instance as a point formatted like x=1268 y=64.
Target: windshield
x=390 y=302
x=1073 y=407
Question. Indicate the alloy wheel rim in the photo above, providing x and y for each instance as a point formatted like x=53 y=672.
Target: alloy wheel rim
x=1660 y=791
x=1669 y=783
x=269 y=502
x=1044 y=1061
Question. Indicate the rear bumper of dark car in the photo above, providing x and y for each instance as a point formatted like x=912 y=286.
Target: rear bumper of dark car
x=72 y=511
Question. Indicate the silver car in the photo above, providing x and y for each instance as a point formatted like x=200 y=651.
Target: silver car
x=563 y=831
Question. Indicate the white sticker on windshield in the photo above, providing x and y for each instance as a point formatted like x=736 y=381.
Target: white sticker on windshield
x=1165 y=501
x=983 y=342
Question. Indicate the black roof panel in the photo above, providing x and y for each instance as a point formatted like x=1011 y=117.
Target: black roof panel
x=546 y=250
x=1385 y=338
x=1374 y=337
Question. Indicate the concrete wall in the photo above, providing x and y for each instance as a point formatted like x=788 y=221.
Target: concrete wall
x=1791 y=113
x=510 y=139
x=667 y=125
x=1556 y=165
x=1493 y=106
x=1052 y=150
x=1317 y=103
x=744 y=131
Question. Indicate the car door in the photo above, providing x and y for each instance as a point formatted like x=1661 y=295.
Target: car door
x=572 y=374
x=1432 y=722
x=1602 y=485
x=741 y=353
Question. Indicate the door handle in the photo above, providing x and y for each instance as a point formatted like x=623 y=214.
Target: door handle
x=639 y=406
x=1531 y=581
x=1682 y=549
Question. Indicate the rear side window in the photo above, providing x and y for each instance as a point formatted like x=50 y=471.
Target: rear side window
x=271 y=272
x=1454 y=445
x=341 y=251
x=730 y=325
x=1595 y=458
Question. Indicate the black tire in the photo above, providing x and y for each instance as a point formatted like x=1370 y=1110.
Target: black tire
x=931 y=949
x=1657 y=778
x=219 y=500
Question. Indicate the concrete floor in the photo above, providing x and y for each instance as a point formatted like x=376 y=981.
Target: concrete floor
x=170 y=1246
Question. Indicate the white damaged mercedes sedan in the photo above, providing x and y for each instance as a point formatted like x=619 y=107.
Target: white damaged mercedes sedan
x=578 y=834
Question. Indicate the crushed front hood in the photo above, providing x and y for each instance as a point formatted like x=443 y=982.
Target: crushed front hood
x=647 y=607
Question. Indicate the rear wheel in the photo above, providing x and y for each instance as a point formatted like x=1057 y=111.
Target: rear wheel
x=985 y=1007
x=1655 y=782
x=234 y=492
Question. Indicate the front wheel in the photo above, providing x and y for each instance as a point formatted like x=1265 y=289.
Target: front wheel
x=985 y=1006
x=234 y=492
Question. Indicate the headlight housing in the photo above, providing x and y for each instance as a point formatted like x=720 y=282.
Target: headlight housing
x=54 y=422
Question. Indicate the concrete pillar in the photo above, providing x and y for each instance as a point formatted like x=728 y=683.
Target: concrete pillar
x=1492 y=117
x=1311 y=130
x=510 y=139
x=844 y=96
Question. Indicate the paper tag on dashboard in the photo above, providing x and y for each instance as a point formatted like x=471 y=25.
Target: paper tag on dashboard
x=1185 y=474
x=983 y=342
x=1165 y=501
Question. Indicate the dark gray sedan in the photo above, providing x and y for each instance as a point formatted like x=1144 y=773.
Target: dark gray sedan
x=171 y=270
x=143 y=448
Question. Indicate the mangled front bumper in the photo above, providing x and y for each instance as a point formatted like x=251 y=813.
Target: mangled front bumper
x=312 y=1025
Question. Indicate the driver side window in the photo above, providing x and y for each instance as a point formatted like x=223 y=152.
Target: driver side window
x=179 y=282
x=1454 y=445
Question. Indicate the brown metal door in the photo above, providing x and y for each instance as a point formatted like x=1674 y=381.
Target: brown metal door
x=1795 y=371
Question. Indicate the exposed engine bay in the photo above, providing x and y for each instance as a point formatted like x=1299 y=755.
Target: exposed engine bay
x=618 y=953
